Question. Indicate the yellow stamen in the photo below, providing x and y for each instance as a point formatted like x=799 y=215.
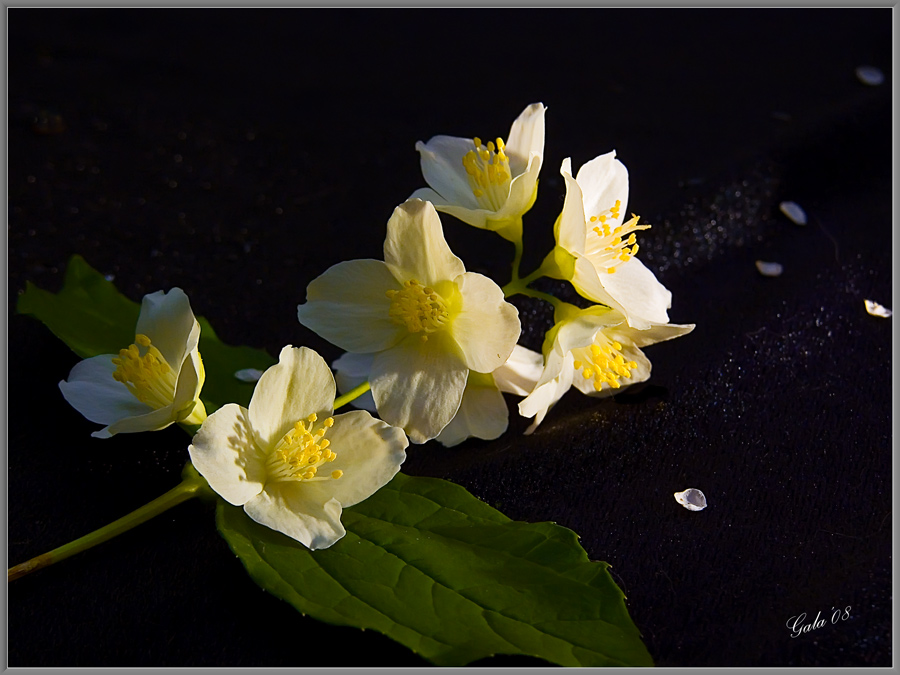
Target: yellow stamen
x=300 y=453
x=603 y=362
x=608 y=247
x=419 y=308
x=144 y=370
x=487 y=168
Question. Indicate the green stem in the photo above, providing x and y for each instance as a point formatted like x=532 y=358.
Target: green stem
x=517 y=260
x=541 y=296
x=185 y=490
x=521 y=285
x=354 y=393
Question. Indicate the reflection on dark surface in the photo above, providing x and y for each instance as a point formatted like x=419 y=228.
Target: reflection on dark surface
x=240 y=156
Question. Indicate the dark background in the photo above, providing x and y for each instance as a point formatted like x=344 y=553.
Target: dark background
x=238 y=154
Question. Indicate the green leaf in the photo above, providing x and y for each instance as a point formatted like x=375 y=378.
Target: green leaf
x=92 y=317
x=221 y=361
x=439 y=571
x=88 y=314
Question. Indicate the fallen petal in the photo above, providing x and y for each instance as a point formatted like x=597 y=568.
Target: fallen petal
x=769 y=269
x=875 y=309
x=691 y=499
x=870 y=75
x=793 y=211
x=248 y=375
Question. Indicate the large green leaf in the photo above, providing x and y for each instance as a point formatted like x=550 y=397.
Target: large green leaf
x=434 y=568
x=88 y=314
x=92 y=317
x=423 y=561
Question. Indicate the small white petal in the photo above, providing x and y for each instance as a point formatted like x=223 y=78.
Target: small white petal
x=415 y=247
x=92 y=391
x=875 y=309
x=870 y=75
x=225 y=454
x=290 y=509
x=299 y=384
x=691 y=499
x=482 y=414
x=248 y=374
x=350 y=371
x=418 y=386
x=487 y=327
x=521 y=372
x=793 y=211
x=769 y=269
x=167 y=319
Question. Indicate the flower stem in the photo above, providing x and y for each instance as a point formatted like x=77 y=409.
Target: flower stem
x=187 y=489
x=517 y=260
x=354 y=393
x=542 y=296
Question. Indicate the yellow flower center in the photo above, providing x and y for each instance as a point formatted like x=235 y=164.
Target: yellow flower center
x=610 y=244
x=603 y=362
x=300 y=453
x=144 y=370
x=487 y=168
x=420 y=308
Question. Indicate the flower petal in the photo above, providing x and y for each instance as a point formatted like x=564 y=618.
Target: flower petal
x=482 y=414
x=369 y=453
x=225 y=453
x=580 y=331
x=189 y=384
x=526 y=137
x=418 y=385
x=151 y=421
x=649 y=336
x=167 y=319
x=635 y=292
x=350 y=371
x=545 y=395
x=290 y=509
x=93 y=392
x=415 y=247
x=522 y=194
x=572 y=228
x=347 y=306
x=474 y=217
x=442 y=166
x=427 y=195
x=639 y=293
x=298 y=385
x=603 y=180
x=521 y=372
x=487 y=327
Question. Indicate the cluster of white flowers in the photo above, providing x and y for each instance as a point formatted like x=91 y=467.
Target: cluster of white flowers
x=437 y=344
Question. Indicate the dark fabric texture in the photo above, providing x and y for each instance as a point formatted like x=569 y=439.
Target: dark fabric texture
x=239 y=154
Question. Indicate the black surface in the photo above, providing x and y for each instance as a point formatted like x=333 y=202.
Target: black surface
x=240 y=154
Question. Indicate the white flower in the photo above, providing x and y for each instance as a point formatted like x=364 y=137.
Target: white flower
x=486 y=185
x=592 y=229
x=427 y=321
x=482 y=412
x=150 y=384
x=287 y=461
x=595 y=350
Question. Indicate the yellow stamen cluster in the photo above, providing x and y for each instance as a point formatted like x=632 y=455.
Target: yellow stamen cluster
x=300 y=453
x=418 y=307
x=487 y=168
x=144 y=370
x=612 y=244
x=603 y=362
